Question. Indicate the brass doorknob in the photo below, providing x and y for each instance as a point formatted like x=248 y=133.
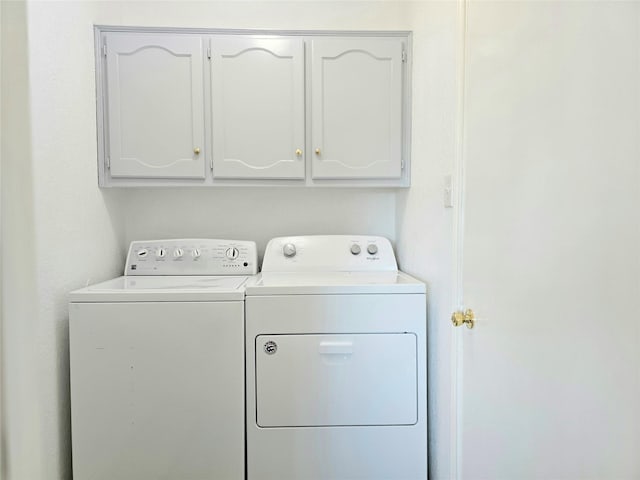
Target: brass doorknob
x=196 y=150
x=298 y=152
x=317 y=151
x=467 y=317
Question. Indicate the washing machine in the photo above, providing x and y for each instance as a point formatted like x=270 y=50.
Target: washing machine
x=157 y=364
x=336 y=363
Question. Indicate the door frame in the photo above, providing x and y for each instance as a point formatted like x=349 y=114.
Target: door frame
x=458 y=239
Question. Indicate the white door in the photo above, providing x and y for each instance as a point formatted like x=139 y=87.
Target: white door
x=549 y=377
x=257 y=107
x=155 y=106
x=356 y=108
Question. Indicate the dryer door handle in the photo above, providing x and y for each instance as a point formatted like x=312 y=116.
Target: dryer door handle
x=335 y=348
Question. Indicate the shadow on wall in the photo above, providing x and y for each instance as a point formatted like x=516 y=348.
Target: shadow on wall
x=257 y=214
x=21 y=420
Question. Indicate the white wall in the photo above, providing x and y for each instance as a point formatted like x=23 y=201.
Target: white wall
x=424 y=226
x=257 y=214
x=58 y=229
x=61 y=231
x=2 y=474
x=21 y=428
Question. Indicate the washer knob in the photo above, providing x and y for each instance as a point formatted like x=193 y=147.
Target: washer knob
x=178 y=253
x=142 y=253
x=161 y=252
x=289 y=250
x=355 y=249
x=232 y=253
x=195 y=253
x=372 y=248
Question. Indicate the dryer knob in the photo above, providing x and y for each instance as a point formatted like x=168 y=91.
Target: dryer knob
x=161 y=252
x=372 y=249
x=142 y=253
x=232 y=253
x=289 y=250
x=195 y=253
x=178 y=252
x=355 y=249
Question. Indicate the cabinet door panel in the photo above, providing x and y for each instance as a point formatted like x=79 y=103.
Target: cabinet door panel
x=155 y=106
x=357 y=108
x=258 y=107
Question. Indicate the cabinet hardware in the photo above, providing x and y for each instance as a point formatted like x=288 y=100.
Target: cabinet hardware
x=298 y=152
x=196 y=150
x=317 y=151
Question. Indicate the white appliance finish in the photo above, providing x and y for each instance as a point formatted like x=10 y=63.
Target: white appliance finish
x=157 y=365
x=336 y=363
x=192 y=257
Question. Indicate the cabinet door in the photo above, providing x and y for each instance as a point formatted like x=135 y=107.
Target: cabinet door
x=356 y=107
x=155 y=111
x=258 y=107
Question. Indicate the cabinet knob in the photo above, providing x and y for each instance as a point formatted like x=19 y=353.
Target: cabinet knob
x=317 y=151
x=196 y=150
x=298 y=152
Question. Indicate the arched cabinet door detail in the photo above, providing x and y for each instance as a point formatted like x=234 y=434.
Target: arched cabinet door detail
x=154 y=102
x=257 y=93
x=356 y=86
x=214 y=107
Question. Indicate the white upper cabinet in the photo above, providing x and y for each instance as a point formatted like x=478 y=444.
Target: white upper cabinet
x=237 y=108
x=257 y=92
x=154 y=106
x=356 y=108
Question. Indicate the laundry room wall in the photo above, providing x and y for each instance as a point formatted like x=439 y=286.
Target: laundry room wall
x=61 y=231
x=262 y=213
x=424 y=226
x=1 y=293
x=19 y=365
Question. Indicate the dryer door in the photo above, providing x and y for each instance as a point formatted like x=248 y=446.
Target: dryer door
x=336 y=380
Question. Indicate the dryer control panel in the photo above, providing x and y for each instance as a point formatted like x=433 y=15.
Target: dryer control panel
x=202 y=256
x=329 y=253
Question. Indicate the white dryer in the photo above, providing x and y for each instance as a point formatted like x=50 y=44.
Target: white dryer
x=157 y=364
x=336 y=363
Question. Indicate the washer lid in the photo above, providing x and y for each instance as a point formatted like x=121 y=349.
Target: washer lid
x=163 y=289
x=334 y=283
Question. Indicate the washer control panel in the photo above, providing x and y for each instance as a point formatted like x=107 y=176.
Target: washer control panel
x=329 y=253
x=202 y=256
